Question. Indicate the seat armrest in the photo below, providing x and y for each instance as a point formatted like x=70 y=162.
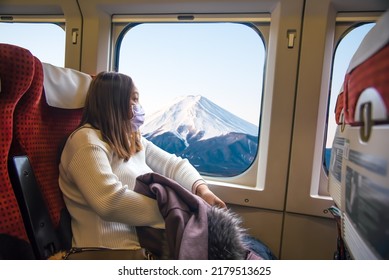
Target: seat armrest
x=39 y=226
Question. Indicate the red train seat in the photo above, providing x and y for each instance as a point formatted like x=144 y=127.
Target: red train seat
x=359 y=169
x=32 y=209
x=17 y=70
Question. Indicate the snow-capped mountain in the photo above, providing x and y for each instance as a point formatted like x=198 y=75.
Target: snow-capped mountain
x=195 y=117
x=215 y=141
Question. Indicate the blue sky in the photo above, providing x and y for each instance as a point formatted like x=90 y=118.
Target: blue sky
x=223 y=62
x=45 y=41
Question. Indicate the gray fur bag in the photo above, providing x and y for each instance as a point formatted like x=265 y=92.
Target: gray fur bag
x=226 y=236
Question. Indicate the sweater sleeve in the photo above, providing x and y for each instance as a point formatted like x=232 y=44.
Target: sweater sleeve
x=90 y=170
x=171 y=166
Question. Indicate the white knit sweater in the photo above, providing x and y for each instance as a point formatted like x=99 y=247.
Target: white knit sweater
x=98 y=189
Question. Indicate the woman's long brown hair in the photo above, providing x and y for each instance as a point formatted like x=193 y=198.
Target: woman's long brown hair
x=107 y=108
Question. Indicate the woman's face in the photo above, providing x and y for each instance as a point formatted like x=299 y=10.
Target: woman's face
x=134 y=97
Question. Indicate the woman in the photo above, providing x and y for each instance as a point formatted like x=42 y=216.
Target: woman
x=101 y=161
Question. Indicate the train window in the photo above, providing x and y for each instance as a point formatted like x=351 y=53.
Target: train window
x=46 y=41
x=345 y=50
x=201 y=87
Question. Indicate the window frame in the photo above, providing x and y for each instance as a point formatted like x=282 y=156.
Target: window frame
x=259 y=22
x=307 y=187
x=56 y=19
x=72 y=28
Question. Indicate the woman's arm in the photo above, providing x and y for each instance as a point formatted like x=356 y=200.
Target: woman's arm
x=179 y=170
x=205 y=193
x=170 y=165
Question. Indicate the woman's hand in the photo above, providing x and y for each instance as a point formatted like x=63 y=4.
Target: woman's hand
x=205 y=193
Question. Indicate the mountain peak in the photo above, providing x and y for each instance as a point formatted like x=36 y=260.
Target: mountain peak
x=188 y=101
x=195 y=117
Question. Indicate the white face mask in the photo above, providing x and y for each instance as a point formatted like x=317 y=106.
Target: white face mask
x=138 y=117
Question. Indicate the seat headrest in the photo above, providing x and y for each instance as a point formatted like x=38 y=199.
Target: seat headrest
x=64 y=87
x=374 y=40
x=16 y=70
